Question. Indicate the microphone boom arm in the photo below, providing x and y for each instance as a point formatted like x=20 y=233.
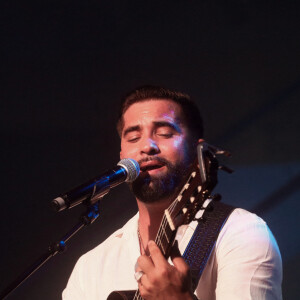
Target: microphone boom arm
x=89 y=217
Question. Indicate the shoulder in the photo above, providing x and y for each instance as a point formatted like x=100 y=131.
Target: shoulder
x=247 y=234
x=247 y=253
x=241 y=220
x=84 y=280
x=107 y=247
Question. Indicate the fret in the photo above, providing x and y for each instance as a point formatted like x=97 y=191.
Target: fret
x=169 y=219
x=159 y=233
x=165 y=229
x=165 y=235
x=168 y=232
x=162 y=247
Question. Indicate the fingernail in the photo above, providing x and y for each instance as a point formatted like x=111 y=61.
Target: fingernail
x=136 y=266
x=151 y=243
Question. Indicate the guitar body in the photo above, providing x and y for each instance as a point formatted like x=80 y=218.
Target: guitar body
x=122 y=295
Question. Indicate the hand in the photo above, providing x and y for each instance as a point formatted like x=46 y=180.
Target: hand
x=162 y=280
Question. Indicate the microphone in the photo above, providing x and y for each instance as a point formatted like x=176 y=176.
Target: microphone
x=127 y=170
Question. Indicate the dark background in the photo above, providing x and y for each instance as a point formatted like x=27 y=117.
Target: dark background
x=65 y=65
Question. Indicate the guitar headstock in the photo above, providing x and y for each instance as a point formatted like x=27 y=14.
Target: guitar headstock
x=198 y=187
x=202 y=180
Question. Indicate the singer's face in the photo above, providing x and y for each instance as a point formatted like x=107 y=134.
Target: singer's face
x=155 y=135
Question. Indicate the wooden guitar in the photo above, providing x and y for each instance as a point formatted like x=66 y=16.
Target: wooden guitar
x=196 y=190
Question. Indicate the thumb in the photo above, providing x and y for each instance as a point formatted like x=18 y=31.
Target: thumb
x=182 y=268
x=177 y=259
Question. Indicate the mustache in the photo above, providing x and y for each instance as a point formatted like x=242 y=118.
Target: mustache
x=156 y=158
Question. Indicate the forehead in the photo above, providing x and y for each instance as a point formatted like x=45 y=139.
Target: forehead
x=152 y=109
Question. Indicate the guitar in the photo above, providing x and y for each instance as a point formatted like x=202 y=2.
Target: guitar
x=194 y=193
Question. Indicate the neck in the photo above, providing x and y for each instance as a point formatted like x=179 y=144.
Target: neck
x=150 y=216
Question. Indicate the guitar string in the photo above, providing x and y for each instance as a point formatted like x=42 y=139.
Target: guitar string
x=191 y=182
x=164 y=223
x=158 y=240
x=140 y=240
x=137 y=295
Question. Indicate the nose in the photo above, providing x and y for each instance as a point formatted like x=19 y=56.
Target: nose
x=149 y=147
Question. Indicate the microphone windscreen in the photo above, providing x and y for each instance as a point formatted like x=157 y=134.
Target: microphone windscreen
x=132 y=168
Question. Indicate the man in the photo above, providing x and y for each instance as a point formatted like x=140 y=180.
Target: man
x=160 y=128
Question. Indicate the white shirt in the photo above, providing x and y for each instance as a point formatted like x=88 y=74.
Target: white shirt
x=244 y=264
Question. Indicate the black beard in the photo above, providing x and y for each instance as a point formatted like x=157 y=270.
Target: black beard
x=162 y=187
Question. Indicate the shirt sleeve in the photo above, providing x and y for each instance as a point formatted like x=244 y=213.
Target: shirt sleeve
x=74 y=289
x=248 y=260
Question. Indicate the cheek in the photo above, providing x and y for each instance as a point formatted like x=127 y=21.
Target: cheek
x=176 y=148
x=178 y=143
x=127 y=152
x=182 y=149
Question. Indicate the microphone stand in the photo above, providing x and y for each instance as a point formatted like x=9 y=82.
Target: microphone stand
x=87 y=218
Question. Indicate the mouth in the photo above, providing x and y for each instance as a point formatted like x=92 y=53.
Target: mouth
x=150 y=166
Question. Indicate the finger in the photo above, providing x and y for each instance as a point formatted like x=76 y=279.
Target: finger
x=178 y=262
x=175 y=252
x=144 y=282
x=143 y=291
x=180 y=265
x=144 y=286
x=156 y=255
x=145 y=264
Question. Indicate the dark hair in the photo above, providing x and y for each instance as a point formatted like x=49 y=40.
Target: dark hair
x=190 y=110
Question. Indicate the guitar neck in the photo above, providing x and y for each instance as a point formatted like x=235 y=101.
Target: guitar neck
x=164 y=240
x=176 y=214
x=166 y=235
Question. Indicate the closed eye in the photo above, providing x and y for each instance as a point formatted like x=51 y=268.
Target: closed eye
x=132 y=140
x=165 y=135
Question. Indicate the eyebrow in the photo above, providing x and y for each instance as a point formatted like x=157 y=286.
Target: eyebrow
x=157 y=124
x=167 y=124
x=131 y=129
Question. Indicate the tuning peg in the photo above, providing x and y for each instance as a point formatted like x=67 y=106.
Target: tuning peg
x=218 y=151
x=225 y=169
x=201 y=219
x=210 y=207
x=216 y=197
